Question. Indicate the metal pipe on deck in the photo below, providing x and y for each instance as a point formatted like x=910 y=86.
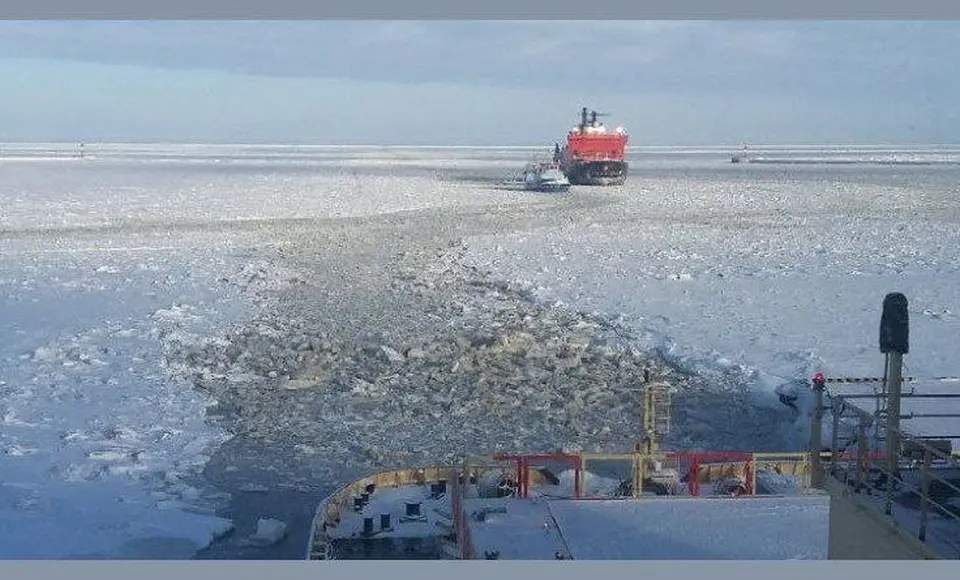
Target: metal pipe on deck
x=925 y=494
x=930 y=416
x=816 y=432
x=909 y=396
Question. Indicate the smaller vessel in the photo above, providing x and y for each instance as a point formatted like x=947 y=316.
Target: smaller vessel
x=544 y=176
x=742 y=156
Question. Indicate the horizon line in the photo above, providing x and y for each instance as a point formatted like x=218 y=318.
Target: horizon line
x=738 y=146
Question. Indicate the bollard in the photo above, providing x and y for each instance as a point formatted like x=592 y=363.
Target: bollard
x=413 y=508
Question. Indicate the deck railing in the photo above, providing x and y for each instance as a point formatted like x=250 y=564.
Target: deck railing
x=911 y=496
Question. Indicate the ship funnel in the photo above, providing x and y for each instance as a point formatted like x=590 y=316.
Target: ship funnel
x=583 y=118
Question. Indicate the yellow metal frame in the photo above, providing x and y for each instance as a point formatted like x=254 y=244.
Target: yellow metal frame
x=652 y=394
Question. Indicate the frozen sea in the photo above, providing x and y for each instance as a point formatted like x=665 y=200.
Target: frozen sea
x=774 y=271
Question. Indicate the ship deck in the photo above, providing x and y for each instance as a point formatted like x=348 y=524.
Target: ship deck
x=557 y=513
x=651 y=527
x=780 y=528
x=434 y=519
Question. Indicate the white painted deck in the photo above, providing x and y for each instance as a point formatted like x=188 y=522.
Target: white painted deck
x=758 y=528
x=526 y=531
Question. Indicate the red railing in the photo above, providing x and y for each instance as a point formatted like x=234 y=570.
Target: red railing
x=523 y=469
x=689 y=464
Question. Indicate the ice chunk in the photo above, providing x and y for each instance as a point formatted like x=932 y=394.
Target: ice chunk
x=269 y=532
x=392 y=355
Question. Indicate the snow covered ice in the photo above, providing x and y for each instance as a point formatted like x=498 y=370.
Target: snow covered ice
x=771 y=274
x=189 y=333
x=111 y=267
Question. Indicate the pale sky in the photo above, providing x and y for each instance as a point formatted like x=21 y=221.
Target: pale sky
x=479 y=83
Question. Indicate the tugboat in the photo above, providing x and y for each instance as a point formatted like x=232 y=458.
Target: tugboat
x=740 y=157
x=592 y=154
x=544 y=176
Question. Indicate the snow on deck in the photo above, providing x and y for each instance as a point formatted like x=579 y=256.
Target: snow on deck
x=526 y=531
x=774 y=528
x=777 y=528
x=437 y=519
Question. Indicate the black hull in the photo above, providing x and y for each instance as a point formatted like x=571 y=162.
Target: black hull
x=597 y=172
x=548 y=188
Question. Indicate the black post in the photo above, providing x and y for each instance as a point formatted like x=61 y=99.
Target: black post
x=894 y=342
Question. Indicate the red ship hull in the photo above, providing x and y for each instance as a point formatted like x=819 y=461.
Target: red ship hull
x=592 y=155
